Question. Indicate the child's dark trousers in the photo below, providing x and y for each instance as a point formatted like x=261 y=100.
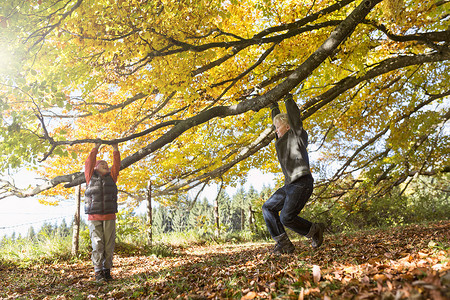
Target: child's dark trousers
x=283 y=207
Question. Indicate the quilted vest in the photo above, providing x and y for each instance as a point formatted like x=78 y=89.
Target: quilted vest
x=101 y=195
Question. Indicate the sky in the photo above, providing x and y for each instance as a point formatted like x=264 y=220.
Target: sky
x=19 y=214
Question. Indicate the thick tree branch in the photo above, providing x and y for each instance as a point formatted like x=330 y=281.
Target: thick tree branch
x=391 y=64
x=437 y=36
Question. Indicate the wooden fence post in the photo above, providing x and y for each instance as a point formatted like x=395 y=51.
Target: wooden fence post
x=149 y=213
x=76 y=221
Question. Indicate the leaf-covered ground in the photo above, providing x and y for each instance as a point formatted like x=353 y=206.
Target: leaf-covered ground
x=409 y=262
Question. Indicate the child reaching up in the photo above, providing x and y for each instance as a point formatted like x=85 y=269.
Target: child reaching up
x=101 y=208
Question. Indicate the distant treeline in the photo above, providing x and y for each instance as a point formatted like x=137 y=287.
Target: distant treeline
x=242 y=212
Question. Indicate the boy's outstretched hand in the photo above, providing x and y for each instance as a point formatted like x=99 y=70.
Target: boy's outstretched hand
x=114 y=146
x=273 y=105
x=288 y=96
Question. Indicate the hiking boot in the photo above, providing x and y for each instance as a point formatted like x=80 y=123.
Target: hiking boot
x=99 y=277
x=107 y=274
x=316 y=234
x=283 y=245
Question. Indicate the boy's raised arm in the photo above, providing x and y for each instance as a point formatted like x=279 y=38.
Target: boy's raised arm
x=293 y=113
x=275 y=109
x=116 y=163
x=89 y=164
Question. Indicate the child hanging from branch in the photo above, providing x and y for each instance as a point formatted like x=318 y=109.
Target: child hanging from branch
x=101 y=208
x=282 y=208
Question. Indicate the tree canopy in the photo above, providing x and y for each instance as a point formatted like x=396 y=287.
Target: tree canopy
x=184 y=87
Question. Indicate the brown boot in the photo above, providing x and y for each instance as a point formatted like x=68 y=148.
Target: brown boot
x=99 y=277
x=107 y=274
x=283 y=245
x=316 y=234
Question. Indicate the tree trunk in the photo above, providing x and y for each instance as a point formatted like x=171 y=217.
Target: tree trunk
x=216 y=212
x=242 y=219
x=76 y=221
x=216 y=217
x=149 y=214
x=250 y=217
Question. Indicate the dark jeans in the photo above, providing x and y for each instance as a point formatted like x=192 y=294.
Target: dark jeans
x=289 y=201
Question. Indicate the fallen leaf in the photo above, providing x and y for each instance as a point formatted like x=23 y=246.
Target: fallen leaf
x=380 y=277
x=316 y=273
x=249 y=296
x=301 y=296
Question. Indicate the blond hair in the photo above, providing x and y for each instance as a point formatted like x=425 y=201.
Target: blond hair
x=281 y=118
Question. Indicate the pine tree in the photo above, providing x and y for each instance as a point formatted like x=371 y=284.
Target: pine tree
x=225 y=211
x=179 y=220
x=194 y=216
x=238 y=207
x=46 y=230
x=31 y=233
x=63 y=230
x=252 y=197
x=161 y=223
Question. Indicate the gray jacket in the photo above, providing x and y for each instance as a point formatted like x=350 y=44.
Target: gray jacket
x=291 y=147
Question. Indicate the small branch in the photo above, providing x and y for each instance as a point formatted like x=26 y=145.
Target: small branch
x=106 y=142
